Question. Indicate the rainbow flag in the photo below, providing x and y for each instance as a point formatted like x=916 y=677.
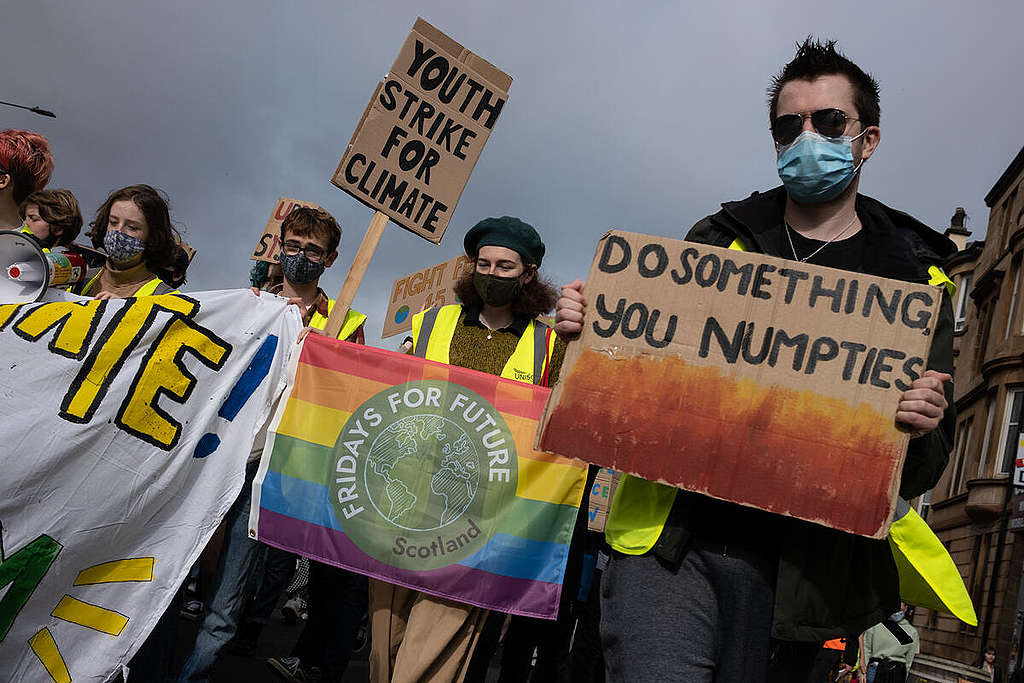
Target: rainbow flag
x=420 y=474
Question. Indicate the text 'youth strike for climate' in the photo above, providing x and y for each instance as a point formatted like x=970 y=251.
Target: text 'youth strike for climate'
x=422 y=132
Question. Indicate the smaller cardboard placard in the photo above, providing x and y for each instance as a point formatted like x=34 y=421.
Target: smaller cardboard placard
x=599 y=500
x=415 y=292
x=753 y=379
x=269 y=245
x=422 y=132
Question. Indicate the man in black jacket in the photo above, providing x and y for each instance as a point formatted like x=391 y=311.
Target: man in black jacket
x=728 y=593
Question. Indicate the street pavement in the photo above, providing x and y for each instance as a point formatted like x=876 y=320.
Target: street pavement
x=276 y=640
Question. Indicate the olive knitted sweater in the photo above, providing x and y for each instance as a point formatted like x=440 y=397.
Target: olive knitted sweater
x=476 y=347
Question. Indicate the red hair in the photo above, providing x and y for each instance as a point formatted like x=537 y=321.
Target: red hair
x=26 y=157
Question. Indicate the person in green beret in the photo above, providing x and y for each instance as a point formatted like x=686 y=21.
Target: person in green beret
x=416 y=636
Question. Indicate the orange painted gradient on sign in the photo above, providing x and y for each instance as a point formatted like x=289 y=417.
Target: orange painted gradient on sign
x=800 y=453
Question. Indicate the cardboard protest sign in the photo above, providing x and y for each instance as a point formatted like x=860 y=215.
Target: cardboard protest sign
x=269 y=245
x=599 y=500
x=415 y=292
x=749 y=378
x=423 y=131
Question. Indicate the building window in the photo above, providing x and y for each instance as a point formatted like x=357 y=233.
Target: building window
x=984 y=327
x=990 y=403
x=979 y=565
x=1013 y=301
x=1006 y=215
x=1011 y=430
x=960 y=459
x=962 y=298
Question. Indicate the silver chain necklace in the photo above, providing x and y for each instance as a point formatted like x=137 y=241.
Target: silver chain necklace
x=815 y=252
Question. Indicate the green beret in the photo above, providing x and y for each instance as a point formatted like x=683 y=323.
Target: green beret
x=507 y=232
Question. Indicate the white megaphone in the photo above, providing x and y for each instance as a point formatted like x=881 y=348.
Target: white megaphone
x=26 y=270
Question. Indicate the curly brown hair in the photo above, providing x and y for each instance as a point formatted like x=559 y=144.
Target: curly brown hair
x=60 y=209
x=538 y=296
x=162 y=241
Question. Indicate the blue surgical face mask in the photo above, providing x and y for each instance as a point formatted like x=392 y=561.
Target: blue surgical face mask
x=815 y=168
x=897 y=616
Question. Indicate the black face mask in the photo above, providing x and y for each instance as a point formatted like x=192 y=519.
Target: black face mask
x=495 y=290
x=299 y=270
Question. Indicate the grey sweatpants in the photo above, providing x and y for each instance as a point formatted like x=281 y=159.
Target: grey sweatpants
x=709 y=621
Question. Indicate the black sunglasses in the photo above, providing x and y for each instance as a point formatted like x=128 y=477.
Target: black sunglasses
x=829 y=122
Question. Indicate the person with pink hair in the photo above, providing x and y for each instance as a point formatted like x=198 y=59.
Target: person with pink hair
x=25 y=167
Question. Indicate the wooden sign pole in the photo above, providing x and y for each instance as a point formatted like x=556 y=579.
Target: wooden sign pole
x=355 y=274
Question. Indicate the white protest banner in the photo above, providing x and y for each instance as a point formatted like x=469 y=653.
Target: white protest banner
x=124 y=431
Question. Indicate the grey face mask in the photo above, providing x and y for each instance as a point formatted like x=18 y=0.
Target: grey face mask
x=122 y=247
x=299 y=270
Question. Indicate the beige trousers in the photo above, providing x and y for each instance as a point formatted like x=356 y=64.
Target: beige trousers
x=418 y=637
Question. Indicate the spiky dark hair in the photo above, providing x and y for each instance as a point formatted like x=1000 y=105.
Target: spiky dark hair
x=815 y=58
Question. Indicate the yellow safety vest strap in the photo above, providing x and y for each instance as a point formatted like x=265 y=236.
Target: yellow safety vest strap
x=938 y=277
x=737 y=245
x=434 y=329
x=149 y=289
x=432 y=332
x=540 y=350
x=421 y=336
x=352 y=322
x=928 y=576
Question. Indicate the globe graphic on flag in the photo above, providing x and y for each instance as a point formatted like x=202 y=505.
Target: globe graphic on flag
x=422 y=472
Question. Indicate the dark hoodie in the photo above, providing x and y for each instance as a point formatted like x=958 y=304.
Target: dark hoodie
x=830 y=583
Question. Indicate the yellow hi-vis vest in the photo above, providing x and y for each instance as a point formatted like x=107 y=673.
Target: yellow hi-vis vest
x=433 y=329
x=353 y=319
x=928 y=576
x=147 y=289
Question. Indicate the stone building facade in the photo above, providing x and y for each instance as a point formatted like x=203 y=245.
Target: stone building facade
x=974 y=509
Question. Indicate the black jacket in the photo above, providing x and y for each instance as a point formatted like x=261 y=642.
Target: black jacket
x=830 y=583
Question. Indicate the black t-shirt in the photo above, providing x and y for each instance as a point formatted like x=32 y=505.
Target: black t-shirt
x=847 y=254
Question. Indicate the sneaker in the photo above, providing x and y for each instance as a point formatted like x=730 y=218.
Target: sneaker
x=294 y=610
x=361 y=636
x=289 y=668
x=192 y=610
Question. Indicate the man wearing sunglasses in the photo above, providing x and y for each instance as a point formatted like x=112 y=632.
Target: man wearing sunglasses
x=703 y=590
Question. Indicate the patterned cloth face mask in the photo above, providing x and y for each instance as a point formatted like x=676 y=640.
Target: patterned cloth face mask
x=122 y=247
x=299 y=270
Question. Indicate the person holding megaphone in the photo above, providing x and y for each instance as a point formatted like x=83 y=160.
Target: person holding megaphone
x=134 y=228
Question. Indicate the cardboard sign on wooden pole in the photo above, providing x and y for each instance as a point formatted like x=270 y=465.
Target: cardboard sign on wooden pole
x=423 y=131
x=415 y=292
x=269 y=245
x=749 y=378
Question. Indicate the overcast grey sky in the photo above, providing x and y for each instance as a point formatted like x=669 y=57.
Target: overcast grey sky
x=641 y=116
